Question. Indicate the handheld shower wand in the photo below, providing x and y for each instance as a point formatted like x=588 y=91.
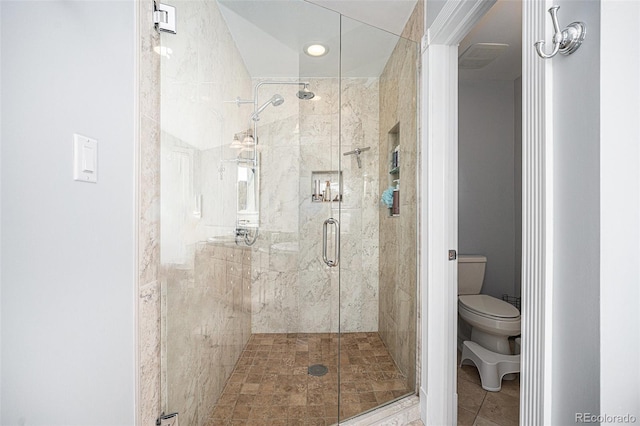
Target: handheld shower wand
x=276 y=100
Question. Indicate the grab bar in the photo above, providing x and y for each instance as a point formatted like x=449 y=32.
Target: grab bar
x=325 y=226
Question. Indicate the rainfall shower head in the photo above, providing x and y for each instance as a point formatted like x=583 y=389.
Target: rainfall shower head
x=276 y=100
x=305 y=94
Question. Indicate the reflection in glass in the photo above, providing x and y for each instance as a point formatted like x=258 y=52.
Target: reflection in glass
x=255 y=325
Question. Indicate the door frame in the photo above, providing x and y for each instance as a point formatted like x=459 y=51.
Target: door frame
x=439 y=212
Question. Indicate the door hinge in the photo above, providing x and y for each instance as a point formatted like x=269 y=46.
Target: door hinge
x=453 y=255
x=164 y=17
x=167 y=420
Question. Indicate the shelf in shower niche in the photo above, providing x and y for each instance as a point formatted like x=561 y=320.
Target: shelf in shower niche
x=319 y=179
x=336 y=200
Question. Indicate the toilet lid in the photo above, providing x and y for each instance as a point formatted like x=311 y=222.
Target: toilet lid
x=489 y=306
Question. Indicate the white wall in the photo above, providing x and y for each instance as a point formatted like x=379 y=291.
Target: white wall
x=620 y=210
x=432 y=8
x=576 y=174
x=486 y=186
x=68 y=266
x=517 y=175
x=0 y=212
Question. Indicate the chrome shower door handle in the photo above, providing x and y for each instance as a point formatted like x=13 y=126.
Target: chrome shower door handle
x=325 y=226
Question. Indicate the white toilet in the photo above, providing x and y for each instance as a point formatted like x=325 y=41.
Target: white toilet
x=486 y=320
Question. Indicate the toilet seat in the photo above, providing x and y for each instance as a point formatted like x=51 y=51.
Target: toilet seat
x=489 y=307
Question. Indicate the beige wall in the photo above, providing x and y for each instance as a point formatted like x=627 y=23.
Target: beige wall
x=148 y=399
x=398 y=235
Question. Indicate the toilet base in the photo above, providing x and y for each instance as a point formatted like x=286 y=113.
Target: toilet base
x=492 y=342
x=491 y=366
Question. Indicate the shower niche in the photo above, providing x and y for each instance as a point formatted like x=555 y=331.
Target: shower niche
x=394 y=169
x=326 y=186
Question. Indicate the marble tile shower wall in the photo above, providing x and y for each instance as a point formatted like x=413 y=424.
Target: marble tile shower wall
x=293 y=290
x=398 y=235
x=208 y=325
x=148 y=362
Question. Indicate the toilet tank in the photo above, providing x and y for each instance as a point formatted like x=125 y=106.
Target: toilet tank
x=470 y=273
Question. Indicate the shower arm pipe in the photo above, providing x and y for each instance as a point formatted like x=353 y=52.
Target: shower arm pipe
x=255 y=108
x=255 y=89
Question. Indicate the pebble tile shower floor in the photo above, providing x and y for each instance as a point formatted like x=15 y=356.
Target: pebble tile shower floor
x=270 y=384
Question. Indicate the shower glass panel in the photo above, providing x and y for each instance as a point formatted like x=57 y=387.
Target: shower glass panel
x=378 y=128
x=288 y=288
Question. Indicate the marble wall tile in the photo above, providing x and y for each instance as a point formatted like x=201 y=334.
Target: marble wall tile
x=149 y=201
x=398 y=235
x=149 y=313
x=303 y=138
x=414 y=28
x=149 y=82
x=206 y=327
x=149 y=341
x=315 y=300
x=274 y=304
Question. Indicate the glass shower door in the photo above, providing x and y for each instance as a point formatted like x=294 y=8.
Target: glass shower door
x=250 y=310
x=288 y=288
x=378 y=273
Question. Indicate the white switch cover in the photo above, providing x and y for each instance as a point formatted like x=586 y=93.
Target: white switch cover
x=85 y=159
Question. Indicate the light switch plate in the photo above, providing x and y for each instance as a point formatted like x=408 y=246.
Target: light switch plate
x=85 y=159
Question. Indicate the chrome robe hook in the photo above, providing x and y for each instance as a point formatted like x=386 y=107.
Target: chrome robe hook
x=566 y=41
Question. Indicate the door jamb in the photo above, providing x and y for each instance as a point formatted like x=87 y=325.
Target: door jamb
x=438 y=216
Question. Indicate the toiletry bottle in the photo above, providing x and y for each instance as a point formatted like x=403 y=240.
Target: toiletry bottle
x=316 y=190
x=327 y=192
x=395 y=208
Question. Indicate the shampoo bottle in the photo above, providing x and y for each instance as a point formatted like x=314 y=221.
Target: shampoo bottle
x=327 y=192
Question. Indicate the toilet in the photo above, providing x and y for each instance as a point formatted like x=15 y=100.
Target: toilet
x=485 y=320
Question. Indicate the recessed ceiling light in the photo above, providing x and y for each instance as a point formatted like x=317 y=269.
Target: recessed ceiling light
x=316 y=49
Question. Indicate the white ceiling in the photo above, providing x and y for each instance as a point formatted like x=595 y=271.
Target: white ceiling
x=502 y=24
x=271 y=34
x=389 y=15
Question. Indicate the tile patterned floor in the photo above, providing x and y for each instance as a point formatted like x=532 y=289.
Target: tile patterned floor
x=477 y=407
x=271 y=385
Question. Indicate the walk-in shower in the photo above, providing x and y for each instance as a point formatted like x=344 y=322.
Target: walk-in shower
x=257 y=191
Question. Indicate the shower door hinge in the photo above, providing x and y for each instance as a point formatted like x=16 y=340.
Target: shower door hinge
x=453 y=255
x=164 y=17
x=167 y=420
